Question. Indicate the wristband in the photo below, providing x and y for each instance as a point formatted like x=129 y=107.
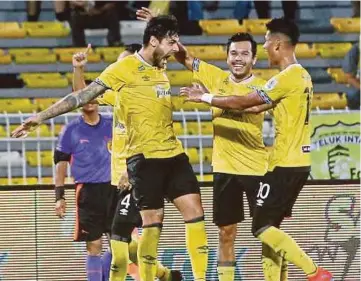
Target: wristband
x=59 y=193
x=207 y=98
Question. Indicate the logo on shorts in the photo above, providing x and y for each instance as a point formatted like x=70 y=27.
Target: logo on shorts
x=263 y=192
x=306 y=148
x=123 y=212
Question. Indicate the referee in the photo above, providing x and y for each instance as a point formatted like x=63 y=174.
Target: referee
x=84 y=144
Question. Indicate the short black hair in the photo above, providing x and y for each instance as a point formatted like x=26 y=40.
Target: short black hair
x=160 y=27
x=132 y=48
x=286 y=27
x=88 y=82
x=240 y=37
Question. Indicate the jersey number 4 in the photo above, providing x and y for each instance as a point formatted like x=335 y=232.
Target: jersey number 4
x=309 y=93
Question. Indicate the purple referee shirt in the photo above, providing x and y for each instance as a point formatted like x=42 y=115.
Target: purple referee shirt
x=88 y=146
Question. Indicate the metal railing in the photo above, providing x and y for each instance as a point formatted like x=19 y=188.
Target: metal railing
x=14 y=150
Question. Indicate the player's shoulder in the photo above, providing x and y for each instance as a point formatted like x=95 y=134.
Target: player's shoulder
x=128 y=62
x=72 y=125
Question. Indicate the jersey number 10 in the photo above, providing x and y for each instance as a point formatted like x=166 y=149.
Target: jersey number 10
x=309 y=93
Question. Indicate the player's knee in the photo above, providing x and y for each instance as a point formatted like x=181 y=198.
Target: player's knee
x=94 y=248
x=259 y=225
x=151 y=217
x=227 y=234
x=190 y=206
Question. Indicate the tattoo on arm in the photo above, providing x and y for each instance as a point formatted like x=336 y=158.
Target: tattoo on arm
x=73 y=101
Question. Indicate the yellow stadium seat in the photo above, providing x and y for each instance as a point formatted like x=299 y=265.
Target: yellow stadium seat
x=346 y=25
x=87 y=75
x=58 y=128
x=41 y=131
x=193 y=128
x=206 y=177
x=5 y=59
x=18 y=181
x=215 y=52
x=304 y=50
x=109 y=54
x=179 y=103
x=11 y=30
x=332 y=50
x=46 y=158
x=221 y=27
x=50 y=180
x=329 y=100
x=44 y=80
x=338 y=75
x=66 y=54
x=46 y=29
x=193 y=155
x=17 y=105
x=207 y=154
x=2 y=52
x=180 y=77
x=177 y=127
x=29 y=51
x=43 y=103
x=265 y=74
x=32 y=55
x=3 y=133
x=256 y=26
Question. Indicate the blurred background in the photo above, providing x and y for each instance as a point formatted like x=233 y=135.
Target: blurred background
x=37 y=41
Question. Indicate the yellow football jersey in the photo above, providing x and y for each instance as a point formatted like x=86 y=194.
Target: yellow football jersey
x=238 y=146
x=120 y=138
x=293 y=90
x=145 y=102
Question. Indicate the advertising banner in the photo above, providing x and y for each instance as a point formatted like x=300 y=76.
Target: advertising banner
x=335 y=148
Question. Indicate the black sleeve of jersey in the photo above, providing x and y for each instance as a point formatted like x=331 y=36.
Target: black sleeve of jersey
x=61 y=156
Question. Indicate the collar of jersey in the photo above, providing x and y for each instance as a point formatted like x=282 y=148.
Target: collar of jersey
x=139 y=57
x=249 y=79
x=291 y=65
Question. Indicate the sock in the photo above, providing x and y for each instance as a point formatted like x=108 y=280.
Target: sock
x=271 y=264
x=94 y=268
x=163 y=273
x=197 y=246
x=284 y=270
x=226 y=271
x=147 y=252
x=284 y=245
x=118 y=270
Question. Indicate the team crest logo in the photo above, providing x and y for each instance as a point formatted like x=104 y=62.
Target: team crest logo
x=336 y=149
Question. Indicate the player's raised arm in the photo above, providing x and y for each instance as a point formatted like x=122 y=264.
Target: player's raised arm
x=79 y=61
x=184 y=57
x=68 y=103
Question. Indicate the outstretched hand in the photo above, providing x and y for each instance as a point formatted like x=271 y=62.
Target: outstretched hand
x=193 y=93
x=28 y=125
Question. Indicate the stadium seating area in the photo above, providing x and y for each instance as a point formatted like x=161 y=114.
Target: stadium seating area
x=35 y=71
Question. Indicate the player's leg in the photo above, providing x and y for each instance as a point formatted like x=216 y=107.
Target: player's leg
x=271 y=261
x=89 y=228
x=273 y=199
x=227 y=212
x=183 y=190
x=147 y=190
